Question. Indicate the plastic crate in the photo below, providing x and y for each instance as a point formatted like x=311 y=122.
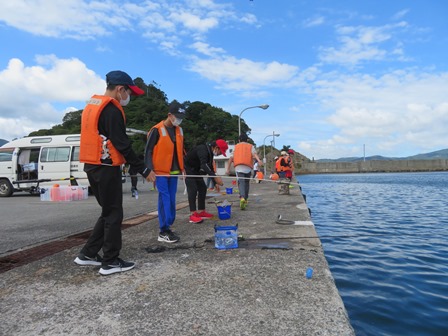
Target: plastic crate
x=226 y=237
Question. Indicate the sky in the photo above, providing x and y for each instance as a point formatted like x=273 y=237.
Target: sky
x=341 y=78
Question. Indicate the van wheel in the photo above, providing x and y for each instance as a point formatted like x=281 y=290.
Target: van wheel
x=6 y=188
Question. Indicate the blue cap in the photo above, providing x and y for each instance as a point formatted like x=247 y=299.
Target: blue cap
x=122 y=78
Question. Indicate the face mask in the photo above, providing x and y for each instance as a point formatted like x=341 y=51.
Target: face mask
x=124 y=102
x=176 y=121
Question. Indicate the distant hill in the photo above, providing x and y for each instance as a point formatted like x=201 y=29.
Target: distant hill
x=2 y=142
x=440 y=154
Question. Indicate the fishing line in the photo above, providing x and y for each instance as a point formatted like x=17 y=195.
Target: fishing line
x=346 y=236
x=221 y=176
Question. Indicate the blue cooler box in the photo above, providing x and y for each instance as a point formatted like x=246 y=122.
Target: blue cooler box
x=226 y=237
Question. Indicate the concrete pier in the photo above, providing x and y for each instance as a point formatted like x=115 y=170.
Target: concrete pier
x=188 y=288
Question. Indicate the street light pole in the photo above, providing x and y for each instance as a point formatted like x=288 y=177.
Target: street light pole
x=273 y=135
x=264 y=107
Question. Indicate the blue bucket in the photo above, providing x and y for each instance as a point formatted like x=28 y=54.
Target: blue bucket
x=226 y=237
x=229 y=191
x=224 y=212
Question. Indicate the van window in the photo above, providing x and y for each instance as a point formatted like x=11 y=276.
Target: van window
x=34 y=154
x=220 y=164
x=55 y=154
x=40 y=140
x=73 y=138
x=75 y=153
x=6 y=154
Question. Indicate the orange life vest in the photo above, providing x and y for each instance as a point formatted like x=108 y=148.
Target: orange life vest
x=278 y=167
x=281 y=168
x=95 y=146
x=162 y=156
x=242 y=155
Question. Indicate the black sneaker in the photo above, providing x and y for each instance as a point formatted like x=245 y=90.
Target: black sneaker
x=118 y=265
x=134 y=192
x=168 y=237
x=84 y=260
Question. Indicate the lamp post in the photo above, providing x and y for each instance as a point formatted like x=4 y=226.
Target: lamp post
x=264 y=107
x=264 y=148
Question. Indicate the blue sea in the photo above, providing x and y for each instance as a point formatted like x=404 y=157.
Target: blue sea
x=385 y=238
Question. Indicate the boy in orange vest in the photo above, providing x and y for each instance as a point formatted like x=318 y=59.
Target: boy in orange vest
x=104 y=148
x=164 y=156
x=243 y=160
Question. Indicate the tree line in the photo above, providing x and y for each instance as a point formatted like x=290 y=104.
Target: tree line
x=203 y=122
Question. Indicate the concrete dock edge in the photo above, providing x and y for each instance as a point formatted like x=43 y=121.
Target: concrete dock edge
x=189 y=288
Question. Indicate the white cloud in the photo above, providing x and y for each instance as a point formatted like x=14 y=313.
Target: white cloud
x=68 y=18
x=39 y=90
x=165 y=23
x=206 y=49
x=194 y=22
x=360 y=44
x=399 y=109
x=249 y=18
x=399 y=15
x=231 y=73
x=313 y=22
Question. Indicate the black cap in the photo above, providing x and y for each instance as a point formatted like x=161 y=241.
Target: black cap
x=243 y=137
x=176 y=109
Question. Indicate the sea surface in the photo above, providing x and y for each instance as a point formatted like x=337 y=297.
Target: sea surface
x=385 y=237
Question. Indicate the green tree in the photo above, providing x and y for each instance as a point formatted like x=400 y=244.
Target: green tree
x=203 y=122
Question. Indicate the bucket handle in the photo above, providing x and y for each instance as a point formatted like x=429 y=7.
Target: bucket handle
x=216 y=226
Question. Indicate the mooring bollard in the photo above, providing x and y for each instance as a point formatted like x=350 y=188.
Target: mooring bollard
x=283 y=187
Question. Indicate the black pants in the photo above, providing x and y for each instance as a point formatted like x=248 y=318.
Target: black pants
x=106 y=185
x=134 y=178
x=196 y=188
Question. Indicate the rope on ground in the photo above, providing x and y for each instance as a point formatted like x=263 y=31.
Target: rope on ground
x=284 y=221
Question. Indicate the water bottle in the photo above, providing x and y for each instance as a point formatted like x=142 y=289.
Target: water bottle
x=309 y=272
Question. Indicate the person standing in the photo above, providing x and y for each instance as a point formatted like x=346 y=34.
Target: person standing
x=243 y=159
x=291 y=163
x=285 y=165
x=104 y=148
x=276 y=164
x=255 y=169
x=199 y=161
x=211 y=184
x=164 y=156
x=134 y=179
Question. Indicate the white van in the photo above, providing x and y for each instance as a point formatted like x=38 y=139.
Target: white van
x=29 y=163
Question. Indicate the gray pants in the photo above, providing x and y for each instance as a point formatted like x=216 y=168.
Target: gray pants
x=243 y=184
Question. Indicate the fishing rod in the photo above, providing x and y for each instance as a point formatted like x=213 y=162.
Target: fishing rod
x=221 y=176
x=50 y=180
